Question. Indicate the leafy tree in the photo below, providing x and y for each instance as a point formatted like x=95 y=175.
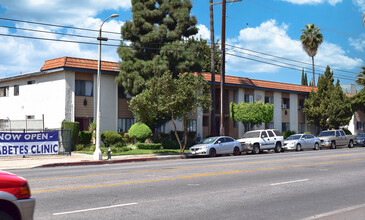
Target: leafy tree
x=155 y=35
x=252 y=113
x=311 y=38
x=361 y=77
x=328 y=107
x=359 y=101
x=304 y=80
x=203 y=47
x=173 y=97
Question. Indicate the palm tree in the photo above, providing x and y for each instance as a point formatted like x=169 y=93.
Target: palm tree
x=311 y=39
x=361 y=77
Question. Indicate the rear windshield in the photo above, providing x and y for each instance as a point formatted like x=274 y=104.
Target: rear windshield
x=251 y=134
x=327 y=133
x=294 y=137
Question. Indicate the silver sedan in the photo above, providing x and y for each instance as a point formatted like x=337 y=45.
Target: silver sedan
x=216 y=145
x=299 y=142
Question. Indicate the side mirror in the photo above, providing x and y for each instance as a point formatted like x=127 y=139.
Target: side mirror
x=219 y=142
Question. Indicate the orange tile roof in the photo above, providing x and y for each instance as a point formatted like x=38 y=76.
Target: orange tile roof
x=233 y=80
x=79 y=63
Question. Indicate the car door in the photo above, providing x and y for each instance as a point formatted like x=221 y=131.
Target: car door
x=272 y=137
x=344 y=138
x=265 y=141
x=219 y=145
x=228 y=145
x=339 y=138
x=309 y=141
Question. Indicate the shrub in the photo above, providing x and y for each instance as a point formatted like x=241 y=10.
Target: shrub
x=85 y=137
x=140 y=132
x=92 y=147
x=287 y=133
x=166 y=144
x=124 y=149
x=74 y=127
x=347 y=131
x=111 y=137
x=80 y=147
x=145 y=146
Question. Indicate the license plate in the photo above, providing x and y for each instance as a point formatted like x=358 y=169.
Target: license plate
x=193 y=152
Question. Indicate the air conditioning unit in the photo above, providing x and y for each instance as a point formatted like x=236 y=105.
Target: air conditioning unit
x=284 y=106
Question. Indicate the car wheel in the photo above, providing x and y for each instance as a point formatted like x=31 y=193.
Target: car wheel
x=212 y=152
x=277 y=147
x=298 y=147
x=256 y=149
x=316 y=146
x=5 y=216
x=236 y=151
x=351 y=144
x=333 y=145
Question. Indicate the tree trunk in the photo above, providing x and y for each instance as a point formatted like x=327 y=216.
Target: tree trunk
x=314 y=77
x=176 y=135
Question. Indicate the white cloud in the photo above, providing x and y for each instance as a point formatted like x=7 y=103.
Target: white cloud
x=358 y=43
x=70 y=12
x=272 y=38
x=203 y=32
x=360 y=4
x=313 y=2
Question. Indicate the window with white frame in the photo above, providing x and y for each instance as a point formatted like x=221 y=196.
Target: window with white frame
x=360 y=125
x=248 y=98
x=124 y=124
x=4 y=91
x=302 y=128
x=83 y=88
x=160 y=129
x=191 y=125
x=285 y=127
x=16 y=90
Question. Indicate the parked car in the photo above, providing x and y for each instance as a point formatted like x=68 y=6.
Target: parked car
x=216 y=145
x=259 y=140
x=15 y=198
x=360 y=139
x=299 y=142
x=334 y=138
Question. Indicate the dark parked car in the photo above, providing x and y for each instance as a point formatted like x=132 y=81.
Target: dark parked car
x=360 y=139
x=15 y=199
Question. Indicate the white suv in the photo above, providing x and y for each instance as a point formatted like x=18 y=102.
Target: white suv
x=259 y=140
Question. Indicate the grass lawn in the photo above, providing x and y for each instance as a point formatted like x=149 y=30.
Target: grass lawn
x=136 y=151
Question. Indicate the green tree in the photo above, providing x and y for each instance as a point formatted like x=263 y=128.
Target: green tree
x=304 y=80
x=361 y=77
x=311 y=38
x=172 y=97
x=328 y=107
x=359 y=101
x=252 y=113
x=204 y=48
x=155 y=36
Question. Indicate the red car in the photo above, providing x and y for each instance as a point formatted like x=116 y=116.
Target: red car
x=15 y=200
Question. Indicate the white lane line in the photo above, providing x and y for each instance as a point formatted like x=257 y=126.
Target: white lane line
x=328 y=214
x=294 y=181
x=92 y=209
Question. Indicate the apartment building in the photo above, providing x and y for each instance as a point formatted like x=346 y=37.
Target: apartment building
x=65 y=89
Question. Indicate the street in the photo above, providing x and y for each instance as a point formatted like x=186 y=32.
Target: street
x=326 y=184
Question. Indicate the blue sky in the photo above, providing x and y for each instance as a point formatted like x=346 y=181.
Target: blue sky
x=271 y=27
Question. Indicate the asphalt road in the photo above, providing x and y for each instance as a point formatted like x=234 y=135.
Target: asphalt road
x=325 y=184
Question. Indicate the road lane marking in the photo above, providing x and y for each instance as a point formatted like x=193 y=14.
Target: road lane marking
x=288 y=182
x=328 y=214
x=192 y=167
x=93 y=209
x=196 y=175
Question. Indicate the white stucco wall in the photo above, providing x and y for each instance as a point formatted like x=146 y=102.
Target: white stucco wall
x=70 y=96
x=45 y=97
x=293 y=112
x=277 y=111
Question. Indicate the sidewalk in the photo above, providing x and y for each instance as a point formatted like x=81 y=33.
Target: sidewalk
x=8 y=163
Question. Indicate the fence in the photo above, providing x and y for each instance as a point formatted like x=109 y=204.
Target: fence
x=22 y=125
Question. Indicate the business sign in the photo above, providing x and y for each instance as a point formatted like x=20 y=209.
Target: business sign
x=16 y=144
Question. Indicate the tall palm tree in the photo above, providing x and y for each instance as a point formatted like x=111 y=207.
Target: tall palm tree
x=311 y=39
x=361 y=77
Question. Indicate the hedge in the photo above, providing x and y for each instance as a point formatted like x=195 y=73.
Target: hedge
x=111 y=137
x=85 y=137
x=74 y=127
x=147 y=146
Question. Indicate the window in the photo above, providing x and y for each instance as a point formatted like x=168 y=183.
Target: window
x=30 y=82
x=4 y=91
x=124 y=124
x=301 y=103
x=248 y=98
x=359 y=125
x=4 y=123
x=84 y=88
x=205 y=121
x=285 y=127
x=228 y=139
x=235 y=96
x=16 y=90
x=271 y=134
x=84 y=123
x=263 y=134
x=29 y=117
x=342 y=133
x=286 y=102
x=160 y=129
x=191 y=125
x=235 y=124
x=121 y=93
x=338 y=134
x=270 y=125
x=269 y=100
x=302 y=128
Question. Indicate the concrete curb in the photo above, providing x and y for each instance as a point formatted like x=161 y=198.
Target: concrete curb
x=80 y=163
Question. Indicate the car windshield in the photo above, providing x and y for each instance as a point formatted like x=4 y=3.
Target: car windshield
x=362 y=135
x=251 y=134
x=327 y=133
x=294 y=137
x=208 y=140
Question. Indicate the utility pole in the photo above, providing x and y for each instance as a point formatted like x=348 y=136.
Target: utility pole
x=212 y=66
x=223 y=64
x=223 y=56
